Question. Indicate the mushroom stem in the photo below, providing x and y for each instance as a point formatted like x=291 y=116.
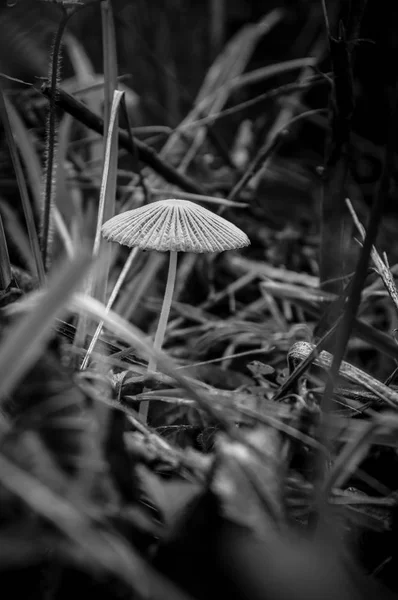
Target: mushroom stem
x=164 y=317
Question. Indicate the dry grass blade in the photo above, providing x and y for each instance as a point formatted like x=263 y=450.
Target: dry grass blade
x=301 y=350
x=304 y=364
x=112 y=100
x=122 y=276
x=24 y=341
x=307 y=296
x=106 y=206
x=96 y=282
x=30 y=224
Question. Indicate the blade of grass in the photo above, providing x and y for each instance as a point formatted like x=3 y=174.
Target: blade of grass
x=112 y=98
x=96 y=285
x=106 y=208
x=302 y=350
x=108 y=187
x=112 y=298
x=23 y=190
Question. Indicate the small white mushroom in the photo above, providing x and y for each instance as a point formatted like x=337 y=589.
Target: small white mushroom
x=172 y=226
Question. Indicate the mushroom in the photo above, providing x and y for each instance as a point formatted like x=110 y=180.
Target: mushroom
x=172 y=226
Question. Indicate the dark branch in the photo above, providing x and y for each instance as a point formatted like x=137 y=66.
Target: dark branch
x=79 y=111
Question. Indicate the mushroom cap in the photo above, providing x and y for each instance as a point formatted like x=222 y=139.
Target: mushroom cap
x=174 y=225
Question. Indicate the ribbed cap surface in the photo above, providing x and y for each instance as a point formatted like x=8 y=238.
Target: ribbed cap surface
x=174 y=225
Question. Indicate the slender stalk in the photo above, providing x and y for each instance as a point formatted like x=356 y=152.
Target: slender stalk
x=51 y=135
x=112 y=298
x=164 y=317
x=112 y=100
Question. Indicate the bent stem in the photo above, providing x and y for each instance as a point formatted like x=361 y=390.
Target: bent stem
x=112 y=298
x=164 y=317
